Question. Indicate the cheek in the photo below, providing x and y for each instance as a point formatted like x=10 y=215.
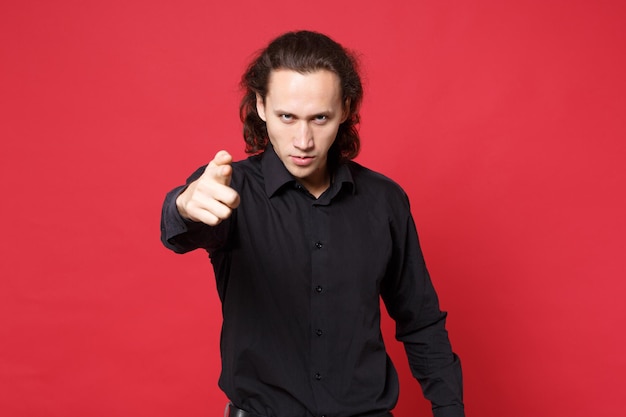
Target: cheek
x=328 y=135
x=271 y=129
x=278 y=133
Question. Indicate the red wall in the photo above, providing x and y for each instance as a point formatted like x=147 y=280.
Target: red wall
x=504 y=121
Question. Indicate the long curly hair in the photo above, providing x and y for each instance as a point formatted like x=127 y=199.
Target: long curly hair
x=304 y=52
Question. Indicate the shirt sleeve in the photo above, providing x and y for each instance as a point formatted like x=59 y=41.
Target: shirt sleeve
x=412 y=302
x=181 y=235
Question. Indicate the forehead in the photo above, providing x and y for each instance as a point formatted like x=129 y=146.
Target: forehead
x=320 y=86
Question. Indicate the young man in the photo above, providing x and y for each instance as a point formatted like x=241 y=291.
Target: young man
x=304 y=242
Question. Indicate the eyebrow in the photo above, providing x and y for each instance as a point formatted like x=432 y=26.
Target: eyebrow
x=326 y=113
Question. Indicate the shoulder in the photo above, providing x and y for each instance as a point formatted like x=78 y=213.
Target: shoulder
x=247 y=173
x=243 y=170
x=249 y=166
x=370 y=183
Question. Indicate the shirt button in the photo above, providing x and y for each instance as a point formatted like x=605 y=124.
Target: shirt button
x=318 y=288
x=319 y=332
x=318 y=376
x=319 y=245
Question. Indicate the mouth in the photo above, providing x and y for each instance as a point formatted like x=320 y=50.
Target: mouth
x=302 y=160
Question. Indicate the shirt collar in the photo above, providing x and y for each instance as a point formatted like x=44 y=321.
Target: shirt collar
x=276 y=175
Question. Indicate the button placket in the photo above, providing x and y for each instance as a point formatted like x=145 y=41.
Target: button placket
x=319 y=239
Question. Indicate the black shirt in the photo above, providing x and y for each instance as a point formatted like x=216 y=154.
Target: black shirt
x=300 y=281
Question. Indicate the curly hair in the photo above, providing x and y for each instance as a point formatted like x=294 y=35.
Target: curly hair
x=304 y=52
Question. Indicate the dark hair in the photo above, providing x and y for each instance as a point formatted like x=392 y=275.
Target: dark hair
x=304 y=52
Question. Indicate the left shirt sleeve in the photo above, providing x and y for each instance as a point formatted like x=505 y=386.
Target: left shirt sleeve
x=412 y=302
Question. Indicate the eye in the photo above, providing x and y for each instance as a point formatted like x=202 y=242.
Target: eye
x=321 y=118
x=285 y=117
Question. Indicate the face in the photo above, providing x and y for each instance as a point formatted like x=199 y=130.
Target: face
x=303 y=113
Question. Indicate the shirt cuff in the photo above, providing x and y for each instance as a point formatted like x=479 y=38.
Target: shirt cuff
x=451 y=411
x=172 y=223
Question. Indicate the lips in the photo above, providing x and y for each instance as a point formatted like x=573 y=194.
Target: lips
x=302 y=160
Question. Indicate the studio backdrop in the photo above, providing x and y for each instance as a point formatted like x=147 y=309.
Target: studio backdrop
x=503 y=121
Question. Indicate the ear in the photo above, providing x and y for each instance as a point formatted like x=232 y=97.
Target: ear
x=346 y=110
x=260 y=107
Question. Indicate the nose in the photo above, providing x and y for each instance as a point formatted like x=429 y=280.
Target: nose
x=303 y=138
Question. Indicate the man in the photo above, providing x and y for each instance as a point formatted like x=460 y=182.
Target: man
x=304 y=242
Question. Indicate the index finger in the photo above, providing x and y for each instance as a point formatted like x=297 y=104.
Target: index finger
x=222 y=158
x=219 y=168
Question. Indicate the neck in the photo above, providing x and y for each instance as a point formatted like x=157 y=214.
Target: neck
x=317 y=188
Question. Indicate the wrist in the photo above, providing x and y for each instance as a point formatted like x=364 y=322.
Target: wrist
x=180 y=205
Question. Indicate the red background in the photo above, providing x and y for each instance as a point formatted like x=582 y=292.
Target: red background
x=504 y=122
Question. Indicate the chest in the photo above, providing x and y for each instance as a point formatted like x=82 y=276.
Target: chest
x=294 y=240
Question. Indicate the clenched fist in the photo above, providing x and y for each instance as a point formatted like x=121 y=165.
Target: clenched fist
x=209 y=199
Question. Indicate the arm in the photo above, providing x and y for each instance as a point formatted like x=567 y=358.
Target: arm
x=412 y=302
x=195 y=215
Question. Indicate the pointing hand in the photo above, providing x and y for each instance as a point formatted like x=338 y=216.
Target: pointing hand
x=210 y=199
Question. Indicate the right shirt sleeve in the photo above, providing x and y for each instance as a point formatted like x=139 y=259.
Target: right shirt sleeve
x=180 y=235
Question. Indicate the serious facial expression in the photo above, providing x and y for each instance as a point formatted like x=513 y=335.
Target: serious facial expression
x=303 y=113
